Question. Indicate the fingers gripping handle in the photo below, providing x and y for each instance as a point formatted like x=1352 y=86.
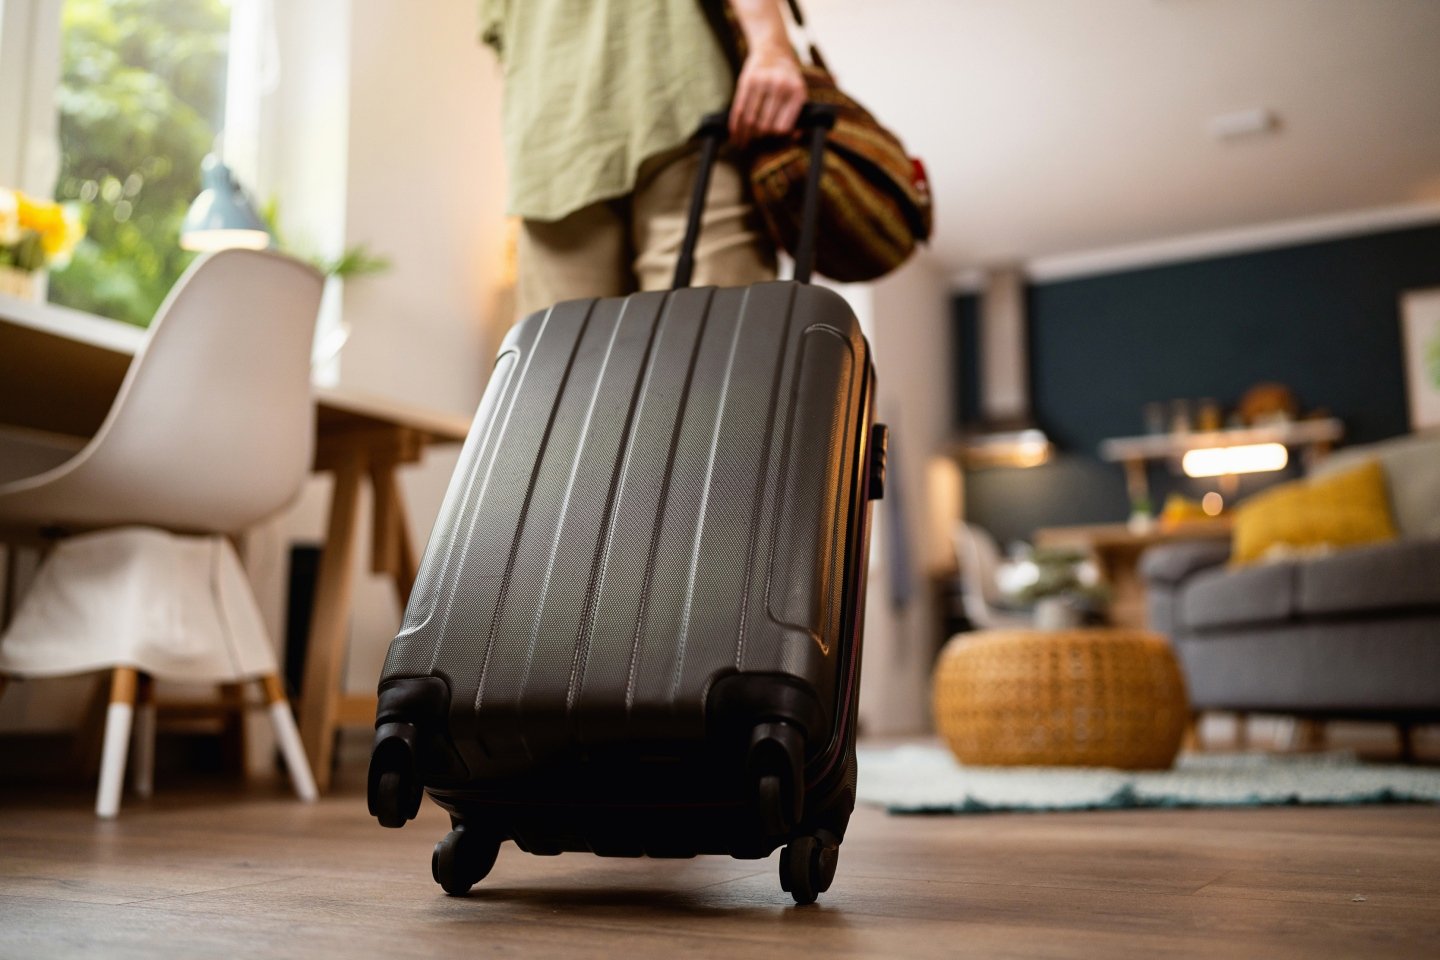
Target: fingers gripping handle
x=817 y=120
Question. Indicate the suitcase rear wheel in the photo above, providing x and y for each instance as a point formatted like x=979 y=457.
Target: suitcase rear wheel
x=462 y=860
x=770 y=794
x=807 y=866
x=389 y=802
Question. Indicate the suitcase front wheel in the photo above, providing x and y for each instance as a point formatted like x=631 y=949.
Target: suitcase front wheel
x=462 y=860
x=807 y=866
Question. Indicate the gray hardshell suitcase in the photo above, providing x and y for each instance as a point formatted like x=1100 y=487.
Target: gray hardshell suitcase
x=637 y=625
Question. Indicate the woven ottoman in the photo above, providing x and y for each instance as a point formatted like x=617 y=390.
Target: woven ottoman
x=1086 y=697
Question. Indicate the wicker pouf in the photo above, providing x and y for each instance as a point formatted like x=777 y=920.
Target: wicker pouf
x=1090 y=697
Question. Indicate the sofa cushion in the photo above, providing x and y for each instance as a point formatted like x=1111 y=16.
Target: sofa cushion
x=1222 y=598
x=1404 y=575
x=1174 y=562
x=1344 y=509
x=1412 y=473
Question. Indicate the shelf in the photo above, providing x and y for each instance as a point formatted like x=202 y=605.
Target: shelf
x=1163 y=446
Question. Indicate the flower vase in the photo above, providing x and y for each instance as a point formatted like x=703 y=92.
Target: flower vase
x=23 y=284
x=1056 y=613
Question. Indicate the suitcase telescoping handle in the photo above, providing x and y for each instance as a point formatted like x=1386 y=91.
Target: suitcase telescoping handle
x=816 y=119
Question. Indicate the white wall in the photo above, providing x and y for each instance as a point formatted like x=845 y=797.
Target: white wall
x=426 y=187
x=907 y=319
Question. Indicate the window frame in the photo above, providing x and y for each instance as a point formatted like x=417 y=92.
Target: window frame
x=29 y=76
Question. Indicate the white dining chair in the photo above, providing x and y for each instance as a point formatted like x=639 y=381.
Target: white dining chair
x=212 y=431
x=979 y=561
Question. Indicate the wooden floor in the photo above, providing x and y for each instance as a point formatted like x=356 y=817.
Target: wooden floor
x=227 y=873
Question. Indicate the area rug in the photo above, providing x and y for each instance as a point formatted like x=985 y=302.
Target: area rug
x=924 y=779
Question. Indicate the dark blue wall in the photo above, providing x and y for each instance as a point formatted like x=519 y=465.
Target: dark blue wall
x=1322 y=318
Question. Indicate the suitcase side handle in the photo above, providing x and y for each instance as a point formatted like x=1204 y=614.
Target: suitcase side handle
x=815 y=118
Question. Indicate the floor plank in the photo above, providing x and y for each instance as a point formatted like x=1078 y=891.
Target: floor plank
x=219 y=872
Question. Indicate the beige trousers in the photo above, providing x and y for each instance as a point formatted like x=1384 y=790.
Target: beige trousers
x=616 y=247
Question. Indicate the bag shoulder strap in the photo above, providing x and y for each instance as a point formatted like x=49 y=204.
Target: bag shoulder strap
x=814 y=51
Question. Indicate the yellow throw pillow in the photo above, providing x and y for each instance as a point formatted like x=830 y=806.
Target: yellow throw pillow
x=1344 y=509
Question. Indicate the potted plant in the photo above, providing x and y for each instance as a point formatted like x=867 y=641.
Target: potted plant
x=35 y=236
x=1066 y=590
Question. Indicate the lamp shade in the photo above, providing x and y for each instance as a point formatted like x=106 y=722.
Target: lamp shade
x=222 y=215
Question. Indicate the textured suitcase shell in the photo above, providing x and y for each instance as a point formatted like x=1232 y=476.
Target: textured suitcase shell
x=659 y=491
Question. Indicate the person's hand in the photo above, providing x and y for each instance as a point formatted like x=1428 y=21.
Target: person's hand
x=768 y=94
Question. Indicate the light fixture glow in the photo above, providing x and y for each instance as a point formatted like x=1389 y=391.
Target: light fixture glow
x=1212 y=503
x=1224 y=461
x=1011 y=448
x=206 y=240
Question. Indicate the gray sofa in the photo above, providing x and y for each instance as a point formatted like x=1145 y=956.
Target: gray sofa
x=1352 y=634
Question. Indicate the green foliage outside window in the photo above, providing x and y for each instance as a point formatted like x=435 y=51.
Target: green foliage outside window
x=141 y=99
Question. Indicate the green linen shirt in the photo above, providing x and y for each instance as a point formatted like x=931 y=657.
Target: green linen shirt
x=593 y=88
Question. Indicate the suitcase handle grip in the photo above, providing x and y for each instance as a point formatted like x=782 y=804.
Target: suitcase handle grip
x=817 y=119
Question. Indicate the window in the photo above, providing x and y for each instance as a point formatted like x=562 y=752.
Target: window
x=112 y=105
x=141 y=100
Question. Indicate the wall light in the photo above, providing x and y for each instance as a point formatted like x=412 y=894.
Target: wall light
x=1222 y=461
x=222 y=215
x=1027 y=447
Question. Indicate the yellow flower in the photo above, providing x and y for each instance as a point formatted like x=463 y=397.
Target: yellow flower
x=36 y=215
x=59 y=228
x=61 y=241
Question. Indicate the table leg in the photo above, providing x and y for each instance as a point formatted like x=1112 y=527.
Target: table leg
x=1192 y=743
x=325 y=652
x=1405 y=733
x=393 y=533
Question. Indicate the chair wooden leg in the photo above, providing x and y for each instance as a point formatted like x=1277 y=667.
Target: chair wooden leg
x=288 y=735
x=1312 y=734
x=123 y=684
x=1192 y=741
x=142 y=742
x=1406 y=734
x=1242 y=731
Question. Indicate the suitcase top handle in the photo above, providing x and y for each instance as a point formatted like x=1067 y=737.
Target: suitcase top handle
x=817 y=118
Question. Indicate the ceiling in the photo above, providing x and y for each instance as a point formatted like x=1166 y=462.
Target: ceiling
x=1057 y=127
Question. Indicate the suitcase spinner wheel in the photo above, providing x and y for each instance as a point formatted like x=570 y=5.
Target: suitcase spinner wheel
x=462 y=859
x=807 y=866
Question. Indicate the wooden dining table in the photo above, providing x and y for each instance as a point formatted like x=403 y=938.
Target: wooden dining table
x=1116 y=550
x=60 y=370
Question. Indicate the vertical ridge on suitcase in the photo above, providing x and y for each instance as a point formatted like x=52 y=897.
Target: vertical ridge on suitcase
x=609 y=518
